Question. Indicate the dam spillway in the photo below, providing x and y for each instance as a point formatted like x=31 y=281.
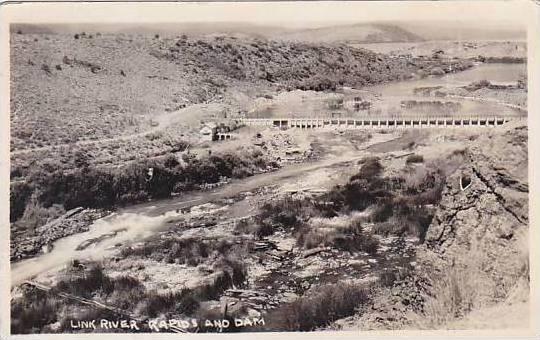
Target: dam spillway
x=381 y=123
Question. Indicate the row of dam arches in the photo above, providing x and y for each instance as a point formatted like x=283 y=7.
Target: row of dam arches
x=310 y=123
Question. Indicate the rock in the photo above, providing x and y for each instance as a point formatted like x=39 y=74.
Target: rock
x=491 y=209
x=252 y=313
x=314 y=251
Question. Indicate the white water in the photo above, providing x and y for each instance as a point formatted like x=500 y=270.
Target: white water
x=137 y=226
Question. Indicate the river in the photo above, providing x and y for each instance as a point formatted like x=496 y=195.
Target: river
x=142 y=220
x=388 y=97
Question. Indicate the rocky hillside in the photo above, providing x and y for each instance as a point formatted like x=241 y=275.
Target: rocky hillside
x=475 y=255
x=72 y=87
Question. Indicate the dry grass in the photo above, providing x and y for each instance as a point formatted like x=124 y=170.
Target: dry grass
x=30 y=315
x=328 y=304
x=467 y=288
x=454 y=295
x=343 y=233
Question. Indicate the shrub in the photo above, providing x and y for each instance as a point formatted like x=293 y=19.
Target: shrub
x=406 y=220
x=19 y=195
x=46 y=68
x=357 y=239
x=35 y=215
x=308 y=313
x=182 y=302
x=454 y=295
x=389 y=276
x=95 y=281
x=361 y=193
x=382 y=212
x=126 y=283
x=311 y=238
x=31 y=313
x=350 y=238
x=371 y=167
x=286 y=213
x=414 y=159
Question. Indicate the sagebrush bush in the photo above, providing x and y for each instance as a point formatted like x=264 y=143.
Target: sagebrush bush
x=31 y=313
x=35 y=215
x=94 y=281
x=286 y=213
x=406 y=220
x=328 y=304
x=182 y=302
x=453 y=295
x=371 y=167
x=382 y=212
x=350 y=238
x=414 y=159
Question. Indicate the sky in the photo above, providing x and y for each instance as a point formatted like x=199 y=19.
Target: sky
x=507 y=14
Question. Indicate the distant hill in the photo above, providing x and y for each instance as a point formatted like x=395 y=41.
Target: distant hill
x=457 y=30
x=356 y=33
x=166 y=29
x=389 y=31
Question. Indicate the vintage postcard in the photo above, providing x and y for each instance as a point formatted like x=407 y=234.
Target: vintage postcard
x=257 y=167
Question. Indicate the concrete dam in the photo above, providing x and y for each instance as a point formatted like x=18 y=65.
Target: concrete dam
x=380 y=123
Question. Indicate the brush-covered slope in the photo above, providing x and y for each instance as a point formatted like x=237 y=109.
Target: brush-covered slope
x=66 y=88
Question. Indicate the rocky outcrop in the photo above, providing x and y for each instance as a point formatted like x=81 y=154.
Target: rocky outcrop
x=488 y=218
x=475 y=254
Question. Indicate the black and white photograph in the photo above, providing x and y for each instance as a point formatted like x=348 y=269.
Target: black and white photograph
x=333 y=167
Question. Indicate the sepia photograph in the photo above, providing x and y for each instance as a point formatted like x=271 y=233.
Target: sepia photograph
x=264 y=167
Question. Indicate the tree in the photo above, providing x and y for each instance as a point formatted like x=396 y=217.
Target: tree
x=19 y=195
x=34 y=214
